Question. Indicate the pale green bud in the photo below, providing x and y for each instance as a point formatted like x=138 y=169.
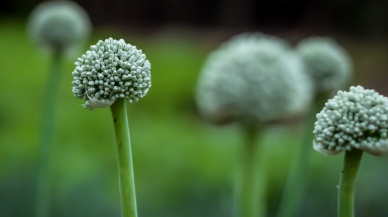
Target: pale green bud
x=252 y=78
x=59 y=25
x=327 y=63
x=110 y=70
x=354 y=119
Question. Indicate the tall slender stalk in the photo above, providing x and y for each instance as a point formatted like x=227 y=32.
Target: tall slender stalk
x=251 y=186
x=346 y=190
x=124 y=156
x=297 y=178
x=42 y=200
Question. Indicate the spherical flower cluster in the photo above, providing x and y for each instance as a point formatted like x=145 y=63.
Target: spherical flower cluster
x=327 y=63
x=354 y=119
x=110 y=70
x=252 y=77
x=59 y=24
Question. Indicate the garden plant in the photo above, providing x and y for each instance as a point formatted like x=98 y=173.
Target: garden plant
x=251 y=79
x=111 y=73
x=355 y=122
x=59 y=27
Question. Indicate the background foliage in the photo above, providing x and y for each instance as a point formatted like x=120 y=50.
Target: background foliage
x=183 y=166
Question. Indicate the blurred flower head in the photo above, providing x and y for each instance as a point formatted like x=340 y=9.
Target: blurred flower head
x=327 y=63
x=354 y=119
x=110 y=70
x=252 y=78
x=59 y=25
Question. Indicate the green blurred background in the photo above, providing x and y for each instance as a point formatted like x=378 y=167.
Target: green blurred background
x=183 y=166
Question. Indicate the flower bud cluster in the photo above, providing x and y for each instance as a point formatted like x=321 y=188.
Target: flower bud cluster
x=252 y=77
x=354 y=119
x=110 y=70
x=59 y=24
x=327 y=63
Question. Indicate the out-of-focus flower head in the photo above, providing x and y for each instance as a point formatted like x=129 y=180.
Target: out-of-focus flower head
x=354 y=119
x=59 y=25
x=252 y=78
x=327 y=63
x=110 y=70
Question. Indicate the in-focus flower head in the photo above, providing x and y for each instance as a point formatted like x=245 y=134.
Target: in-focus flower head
x=354 y=119
x=327 y=63
x=110 y=70
x=252 y=77
x=59 y=24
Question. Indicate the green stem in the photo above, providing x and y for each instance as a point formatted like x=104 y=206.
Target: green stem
x=348 y=175
x=124 y=155
x=251 y=185
x=42 y=200
x=298 y=175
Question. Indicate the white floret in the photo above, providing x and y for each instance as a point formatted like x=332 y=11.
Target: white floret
x=252 y=77
x=354 y=119
x=327 y=63
x=110 y=70
x=59 y=24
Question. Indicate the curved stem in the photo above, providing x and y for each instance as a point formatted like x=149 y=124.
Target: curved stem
x=124 y=156
x=298 y=175
x=348 y=175
x=42 y=200
x=251 y=187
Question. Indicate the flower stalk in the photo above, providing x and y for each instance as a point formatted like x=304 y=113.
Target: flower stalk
x=124 y=156
x=354 y=122
x=251 y=190
x=346 y=186
x=42 y=200
x=109 y=74
x=298 y=175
